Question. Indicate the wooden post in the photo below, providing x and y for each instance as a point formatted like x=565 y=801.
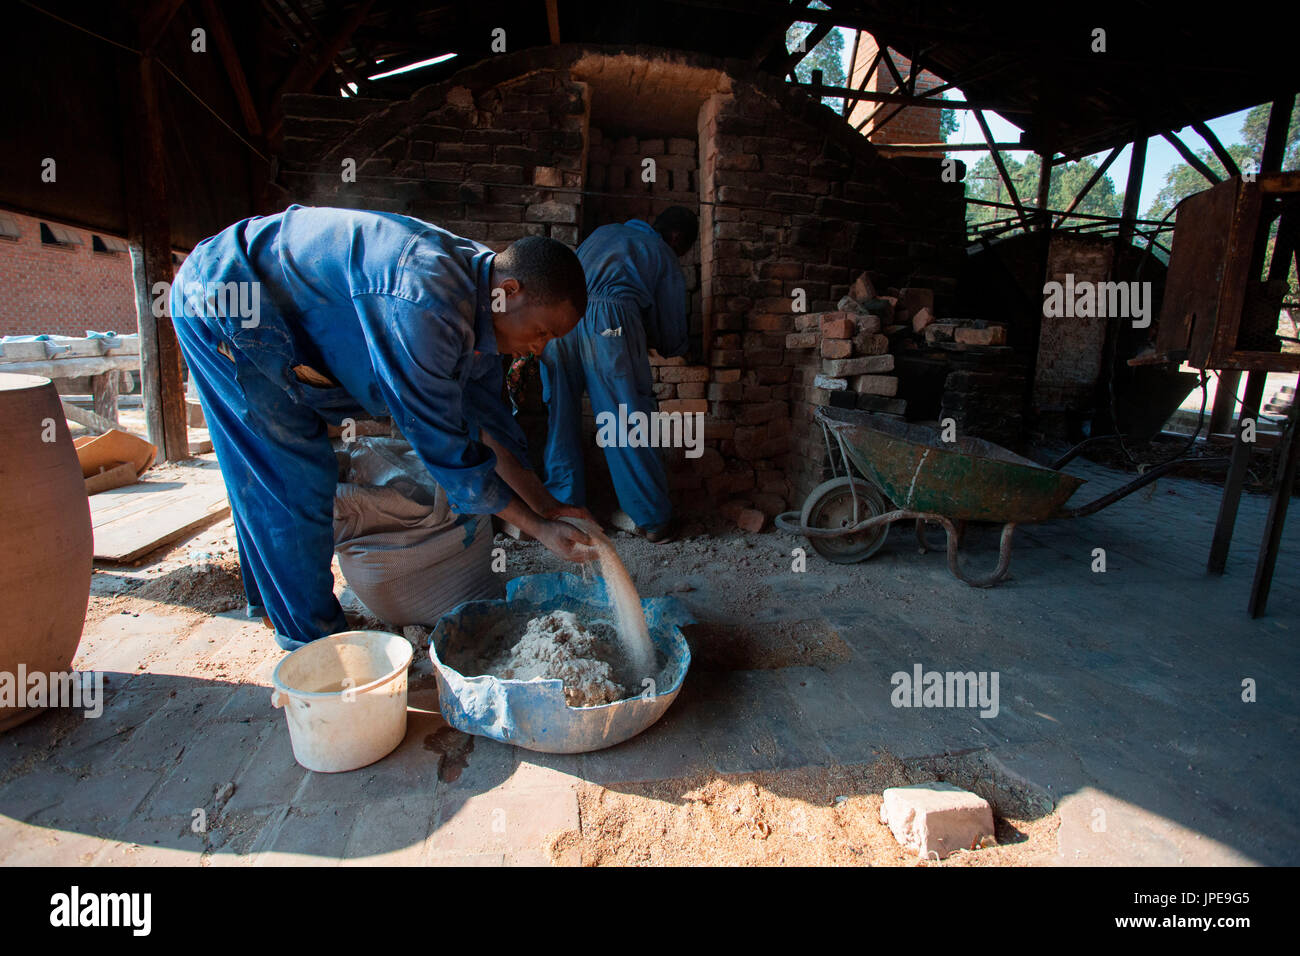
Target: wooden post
x=1133 y=190
x=103 y=389
x=1044 y=189
x=1236 y=479
x=1225 y=401
x=1276 y=521
x=1279 y=120
x=151 y=264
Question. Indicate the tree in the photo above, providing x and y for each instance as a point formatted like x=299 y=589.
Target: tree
x=1182 y=180
x=827 y=56
x=947 y=124
x=1256 y=125
x=984 y=182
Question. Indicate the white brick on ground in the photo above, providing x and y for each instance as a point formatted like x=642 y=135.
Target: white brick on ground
x=937 y=818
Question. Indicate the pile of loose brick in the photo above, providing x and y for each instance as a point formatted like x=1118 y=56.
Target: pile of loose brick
x=854 y=346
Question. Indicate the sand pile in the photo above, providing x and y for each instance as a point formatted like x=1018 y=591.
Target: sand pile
x=557 y=646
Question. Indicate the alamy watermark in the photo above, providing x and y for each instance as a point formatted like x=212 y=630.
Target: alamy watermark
x=76 y=908
x=74 y=690
x=923 y=688
x=236 y=300
x=1087 y=299
x=651 y=430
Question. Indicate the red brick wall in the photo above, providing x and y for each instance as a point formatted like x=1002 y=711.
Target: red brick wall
x=62 y=290
x=912 y=125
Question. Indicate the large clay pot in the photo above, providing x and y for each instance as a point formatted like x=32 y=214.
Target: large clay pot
x=46 y=548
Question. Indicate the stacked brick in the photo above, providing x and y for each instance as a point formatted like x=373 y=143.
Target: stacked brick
x=794 y=211
x=617 y=166
x=494 y=165
x=984 y=395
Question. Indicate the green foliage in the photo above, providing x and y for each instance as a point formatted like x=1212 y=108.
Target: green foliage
x=1182 y=180
x=827 y=56
x=947 y=124
x=983 y=182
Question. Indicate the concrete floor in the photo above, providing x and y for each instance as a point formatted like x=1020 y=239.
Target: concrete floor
x=1120 y=697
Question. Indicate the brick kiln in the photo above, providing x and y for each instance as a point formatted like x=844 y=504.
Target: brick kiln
x=793 y=205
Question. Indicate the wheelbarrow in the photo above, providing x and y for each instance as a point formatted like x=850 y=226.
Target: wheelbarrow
x=911 y=474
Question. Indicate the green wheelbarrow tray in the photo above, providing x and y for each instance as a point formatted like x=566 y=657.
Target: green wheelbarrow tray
x=966 y=480
x=926 y=479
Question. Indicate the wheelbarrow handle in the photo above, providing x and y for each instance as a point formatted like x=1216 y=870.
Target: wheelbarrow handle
x=1141 y=481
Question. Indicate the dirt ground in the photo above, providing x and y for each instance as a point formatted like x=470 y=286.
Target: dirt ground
x=817 y=816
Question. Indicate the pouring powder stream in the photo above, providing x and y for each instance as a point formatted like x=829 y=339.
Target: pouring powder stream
x=629 y=617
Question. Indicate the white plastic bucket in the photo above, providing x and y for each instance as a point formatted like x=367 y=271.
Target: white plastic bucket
x=344 y=697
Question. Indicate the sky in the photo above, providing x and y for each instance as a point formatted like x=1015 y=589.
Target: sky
x=1161 y=155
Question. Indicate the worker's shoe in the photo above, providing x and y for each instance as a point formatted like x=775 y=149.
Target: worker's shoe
x=661 y=535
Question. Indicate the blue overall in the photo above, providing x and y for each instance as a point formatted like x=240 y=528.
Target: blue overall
x=636 y=300
x=396 y=312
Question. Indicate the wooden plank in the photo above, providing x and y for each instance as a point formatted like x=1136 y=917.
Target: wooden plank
x=110 y=478
x=91 y=421
x=132 y=521
x=73 y=367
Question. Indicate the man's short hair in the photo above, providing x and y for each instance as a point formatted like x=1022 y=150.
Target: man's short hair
x=547 y=269
x=680 y=220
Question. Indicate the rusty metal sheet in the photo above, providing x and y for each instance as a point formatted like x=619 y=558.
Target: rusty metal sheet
x=1190 y=310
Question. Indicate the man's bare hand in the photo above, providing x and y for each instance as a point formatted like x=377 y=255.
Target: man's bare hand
x=566 y=541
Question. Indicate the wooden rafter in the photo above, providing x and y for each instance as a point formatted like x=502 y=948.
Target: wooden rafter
x=155 y=22
x=311 y=68
x=553 y=20
x=1192 y=159
x=776 y=35
x=234 y=69
x=1096 y=178
x=1132 y=189
x=316 y=35
x=1225 y=157
x=815 y=36
x=1002 y=169
x=893 y=67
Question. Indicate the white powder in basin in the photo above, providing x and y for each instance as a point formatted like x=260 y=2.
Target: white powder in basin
x=556 y=646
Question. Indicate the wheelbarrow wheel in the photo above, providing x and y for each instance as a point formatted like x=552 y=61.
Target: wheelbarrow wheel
x=831 y=506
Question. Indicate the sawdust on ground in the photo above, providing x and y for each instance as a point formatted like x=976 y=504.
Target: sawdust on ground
x=817 y=816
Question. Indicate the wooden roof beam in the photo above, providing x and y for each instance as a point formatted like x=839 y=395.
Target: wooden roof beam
x=1192 y=159
x=234 y=69
x=1225 y=157
x=1002 y=169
